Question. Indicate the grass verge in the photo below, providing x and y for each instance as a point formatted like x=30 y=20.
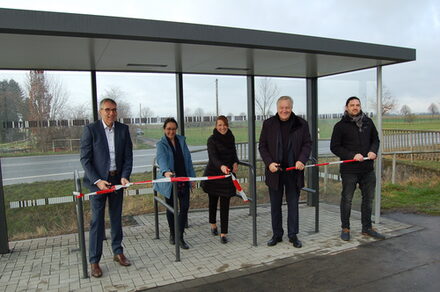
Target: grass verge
x=413 y=197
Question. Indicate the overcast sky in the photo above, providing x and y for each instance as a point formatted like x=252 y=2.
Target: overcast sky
x=406 y=23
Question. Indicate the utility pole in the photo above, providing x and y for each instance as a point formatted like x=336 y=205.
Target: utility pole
x=140 y=114
x=216 y=97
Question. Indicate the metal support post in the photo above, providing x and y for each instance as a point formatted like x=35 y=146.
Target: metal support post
x=94 y=95
x=177 y=230
x=4 y=241
x=312 y=118
x=252 y=152
x=80 y=221
x=156 y=207
x=393 y=170
x=179 y=103
x=180 y=111
x=378 y=196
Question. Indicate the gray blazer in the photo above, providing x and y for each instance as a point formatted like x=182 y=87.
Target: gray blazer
x=95 y=156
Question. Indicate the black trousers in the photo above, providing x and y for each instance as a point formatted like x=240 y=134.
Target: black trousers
x=224 y=211
x=367 y=184
x=183 y=201
x=288 y=186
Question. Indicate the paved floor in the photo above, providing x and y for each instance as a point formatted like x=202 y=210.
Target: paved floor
x=53 y=263
x=410 y=262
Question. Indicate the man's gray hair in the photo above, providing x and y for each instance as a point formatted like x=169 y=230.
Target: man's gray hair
x=285 y=97
x=104 y=100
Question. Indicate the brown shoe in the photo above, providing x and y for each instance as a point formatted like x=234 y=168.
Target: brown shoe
x=95 y=270
x=122 y=260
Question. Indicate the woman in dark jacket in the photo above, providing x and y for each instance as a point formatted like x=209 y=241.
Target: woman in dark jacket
x=222 y=159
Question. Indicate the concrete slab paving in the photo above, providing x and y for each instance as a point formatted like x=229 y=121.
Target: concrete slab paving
x=54 y=263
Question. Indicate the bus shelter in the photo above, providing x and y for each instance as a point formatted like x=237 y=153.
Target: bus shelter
x=36 y=40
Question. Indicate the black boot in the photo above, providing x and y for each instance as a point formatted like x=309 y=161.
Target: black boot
x=183 y=244
x=172 y=238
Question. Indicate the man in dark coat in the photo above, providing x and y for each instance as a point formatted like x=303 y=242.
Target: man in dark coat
x=107 y=159
x=285 y=141
x=354 y=137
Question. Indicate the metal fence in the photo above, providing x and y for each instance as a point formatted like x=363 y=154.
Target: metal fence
x=400 y=139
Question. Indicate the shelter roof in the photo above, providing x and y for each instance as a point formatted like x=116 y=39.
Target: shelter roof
x=64 y=41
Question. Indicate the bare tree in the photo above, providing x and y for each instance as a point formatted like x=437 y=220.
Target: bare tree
x=433 y=109
x=265 y=97
x=146 y=112
x=188 y=111
x=46 y=99
x=124 y=109
x=199 y=112
x=79 y=112
x=389 y=103
x=59 y=99
x=407 y=113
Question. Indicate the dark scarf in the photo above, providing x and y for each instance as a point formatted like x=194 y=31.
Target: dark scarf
x=179 y=161
x=227 y=139
x=284 y=145
x=358 y=120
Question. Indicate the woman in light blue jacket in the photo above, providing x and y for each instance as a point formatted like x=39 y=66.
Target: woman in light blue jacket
x=174 y=158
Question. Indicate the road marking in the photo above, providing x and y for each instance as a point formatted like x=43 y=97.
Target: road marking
x=60 y=174
x=37 y=176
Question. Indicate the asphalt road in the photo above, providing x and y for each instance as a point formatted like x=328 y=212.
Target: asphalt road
x=410 y=262
x=57 y=167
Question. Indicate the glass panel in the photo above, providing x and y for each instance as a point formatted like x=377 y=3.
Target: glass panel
x=333 y=92
x=267 y=91
x=144 y=101
x=42 y=116
x=207 y=96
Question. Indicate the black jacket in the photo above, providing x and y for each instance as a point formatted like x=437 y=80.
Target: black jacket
x=221 y=151
x=347 y=141
x=300 y=145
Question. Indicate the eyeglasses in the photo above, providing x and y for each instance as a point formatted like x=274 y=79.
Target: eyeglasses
x=108 y=110
x=171 y=129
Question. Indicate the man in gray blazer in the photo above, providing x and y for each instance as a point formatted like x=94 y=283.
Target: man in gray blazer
x=107 y=159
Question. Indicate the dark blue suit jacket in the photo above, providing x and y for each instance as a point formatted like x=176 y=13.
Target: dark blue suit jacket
x=95 y=156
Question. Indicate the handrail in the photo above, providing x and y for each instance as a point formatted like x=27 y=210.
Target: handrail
x=174 y=210
x=410 y=130
x=80 y=222
x=253 y=205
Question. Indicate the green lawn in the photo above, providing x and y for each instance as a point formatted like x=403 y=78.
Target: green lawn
x=420 y=123
x=199 y=135
x=414 y=197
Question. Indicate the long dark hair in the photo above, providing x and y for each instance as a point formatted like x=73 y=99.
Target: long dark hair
x=170 y=120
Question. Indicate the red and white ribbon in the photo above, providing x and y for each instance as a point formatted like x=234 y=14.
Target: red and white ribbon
x=114 y=188
x=326 y=163
x=240 y=191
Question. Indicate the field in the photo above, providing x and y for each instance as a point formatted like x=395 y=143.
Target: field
x=418 y=193
x=388 y=122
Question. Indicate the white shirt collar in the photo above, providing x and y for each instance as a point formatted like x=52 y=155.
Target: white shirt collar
x=107 y=127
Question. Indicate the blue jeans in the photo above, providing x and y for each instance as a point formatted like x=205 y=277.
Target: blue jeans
x=97 y=224
x=183 y=199
x=288 y=186
x=367 y=184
